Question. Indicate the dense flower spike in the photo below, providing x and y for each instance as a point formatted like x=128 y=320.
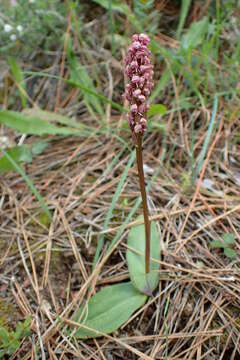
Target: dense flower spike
x=140 y=74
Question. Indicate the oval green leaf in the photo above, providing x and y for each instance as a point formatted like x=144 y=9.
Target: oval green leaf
x=108 y=310
x=230 y=253
x=145 y=283
x=228 y=238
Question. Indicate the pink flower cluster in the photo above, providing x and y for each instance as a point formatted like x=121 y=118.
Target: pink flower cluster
x=140 y=74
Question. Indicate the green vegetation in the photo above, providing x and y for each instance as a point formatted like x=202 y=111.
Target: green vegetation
x=10 y=340
x=226 y=243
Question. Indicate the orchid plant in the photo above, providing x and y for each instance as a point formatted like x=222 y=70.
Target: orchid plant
x=111 y=307
x=140 y=73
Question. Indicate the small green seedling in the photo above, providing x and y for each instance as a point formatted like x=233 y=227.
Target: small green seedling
x=226 y=243
x=10 y=340
x=21 y=154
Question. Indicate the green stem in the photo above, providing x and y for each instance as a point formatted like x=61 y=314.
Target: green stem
x=144 y=201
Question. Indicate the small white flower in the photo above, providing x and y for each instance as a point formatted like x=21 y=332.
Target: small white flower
x=31 y=1
x=7 y=28
x=19 y=28
x=13 y=37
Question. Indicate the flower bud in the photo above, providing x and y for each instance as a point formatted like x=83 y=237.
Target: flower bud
x=134 y=65
x=141 y=98
x=144 y=39
x=141 y=81
x=135 y=37
x=136 y=45
x=136 y=93
x=135 y=79
x=145 y=68
x=138 y=128
x=146 y=92
x=134 y=108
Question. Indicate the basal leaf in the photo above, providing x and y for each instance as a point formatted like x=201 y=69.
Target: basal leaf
x=145 y=283
x=108 y=310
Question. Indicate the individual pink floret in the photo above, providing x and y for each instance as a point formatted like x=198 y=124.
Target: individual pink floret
x=144 y=39
x=141 y=98
x=136 y=45
x=135 y=37
x=134 y=108
x=137 y=92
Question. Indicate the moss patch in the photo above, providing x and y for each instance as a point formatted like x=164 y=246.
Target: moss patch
x=8 y=314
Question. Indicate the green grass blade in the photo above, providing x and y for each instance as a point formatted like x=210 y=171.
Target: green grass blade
x=79 y=73
x=19 y=78
x=133 y=210
x=183 y=14
x=207 y=140
x=30 y=184
x=114 y=161
x=113 y=203
x=122 y=8
x=81 y=87
x=160 y=86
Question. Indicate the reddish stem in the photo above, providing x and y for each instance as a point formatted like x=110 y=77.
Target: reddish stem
x=144 y=201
